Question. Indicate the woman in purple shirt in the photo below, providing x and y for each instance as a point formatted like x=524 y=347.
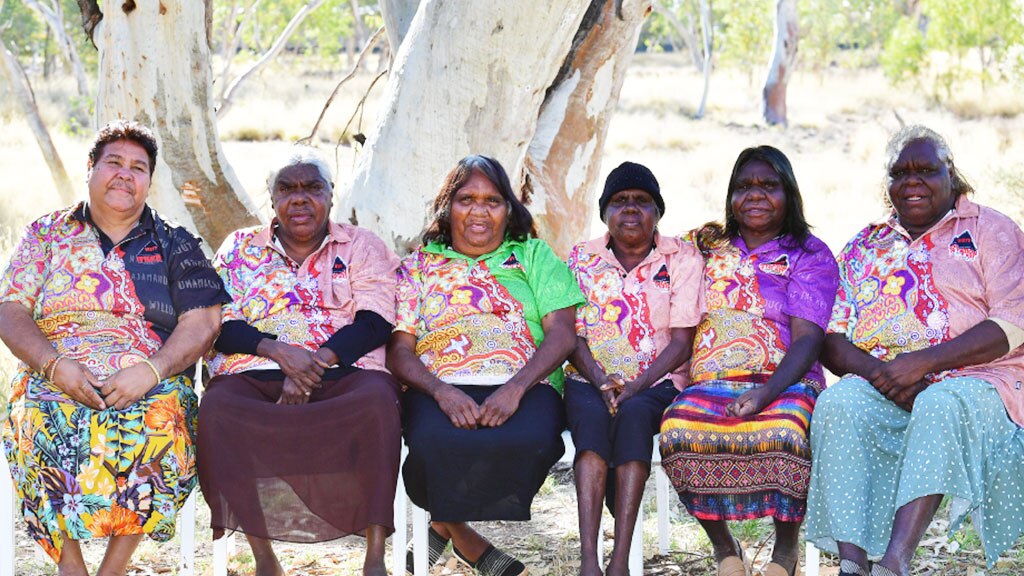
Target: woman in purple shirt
x=734 y=443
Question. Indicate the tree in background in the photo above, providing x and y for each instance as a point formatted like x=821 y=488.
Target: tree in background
x=787 y=36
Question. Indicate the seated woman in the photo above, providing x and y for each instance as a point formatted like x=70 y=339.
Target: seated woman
x=108 y=306
x=734 y=443
x=926 y=328
x=644 y=296
x=485 y=320
x=300 y=428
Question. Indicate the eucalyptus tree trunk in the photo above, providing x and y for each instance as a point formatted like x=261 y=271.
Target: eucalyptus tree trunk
x=564 y=158
x=783 y=58
x=154 y=67
x=469 y=77
x=53 y=14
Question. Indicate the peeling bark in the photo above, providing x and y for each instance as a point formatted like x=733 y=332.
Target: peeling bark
x=564 y=158
x=783 y=59
x=154 y=67
x=458 y=87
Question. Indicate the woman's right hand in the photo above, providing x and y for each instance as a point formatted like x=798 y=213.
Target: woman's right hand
x=292 y=393
x=299 y=364
x=462 y=410
x=79 y=383
x=611 y=388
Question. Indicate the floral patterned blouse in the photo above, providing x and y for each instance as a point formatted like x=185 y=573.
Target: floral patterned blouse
x=478 y=320
x=751 y=295
x=108 y=305
x=628 y=317
x=900 y=295
x=304 y=303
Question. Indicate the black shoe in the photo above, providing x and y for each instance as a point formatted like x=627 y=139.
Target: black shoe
x=494 y=562
x=435 y=547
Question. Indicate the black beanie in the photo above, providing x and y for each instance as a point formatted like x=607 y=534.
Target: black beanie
x=631 y=176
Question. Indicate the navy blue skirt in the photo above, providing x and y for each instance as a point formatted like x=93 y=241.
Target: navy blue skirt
x=484 y=474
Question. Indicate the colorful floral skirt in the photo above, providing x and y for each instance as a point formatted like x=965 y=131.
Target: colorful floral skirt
x=91 y=473
x=728 y=468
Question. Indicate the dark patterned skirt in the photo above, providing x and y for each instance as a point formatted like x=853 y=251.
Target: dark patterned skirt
x=484 y=474
x=728 y=468
x=301 y=473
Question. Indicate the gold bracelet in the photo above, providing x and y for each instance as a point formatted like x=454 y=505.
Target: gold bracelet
x=153 y=368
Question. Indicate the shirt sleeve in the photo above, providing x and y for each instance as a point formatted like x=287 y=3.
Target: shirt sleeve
x=811 y=292
x=1001 y=254
x=192 y=279
x=367 y=332
x=553 y=284
x=409 y=294
x=22 y=281
x=239 y=337
x=686 y=303
x=582 y=280
x=373 y=277
x=227 y=264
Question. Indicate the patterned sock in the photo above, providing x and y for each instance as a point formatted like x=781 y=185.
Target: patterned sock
x=435 y=547
x=494 y=562
x=851 y=568
x=879 y=570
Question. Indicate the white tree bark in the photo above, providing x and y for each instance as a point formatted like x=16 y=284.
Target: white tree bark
x=53 y=14
x=397 y=16
x=154 y=67
x=468 y=78
x=564 y=159
x=783 y=58
x=707 y=36
x=14 y=76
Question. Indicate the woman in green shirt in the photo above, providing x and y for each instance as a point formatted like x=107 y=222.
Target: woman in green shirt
x=485 y=320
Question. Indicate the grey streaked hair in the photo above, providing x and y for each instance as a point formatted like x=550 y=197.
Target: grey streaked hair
x=914 y=132
x=299 y=155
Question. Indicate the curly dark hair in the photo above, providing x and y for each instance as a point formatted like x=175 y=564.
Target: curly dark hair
x=520 y=222
x=713 y=234
x=124 y=130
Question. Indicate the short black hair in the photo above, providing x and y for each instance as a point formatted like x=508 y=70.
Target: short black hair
x=124 y=130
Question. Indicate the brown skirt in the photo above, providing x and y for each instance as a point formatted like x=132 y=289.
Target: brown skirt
x=305 y=473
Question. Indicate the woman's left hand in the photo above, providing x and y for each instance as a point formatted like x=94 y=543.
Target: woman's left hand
x=126 y=386
x=752 y=402
x=292 y=393
x=500 y=406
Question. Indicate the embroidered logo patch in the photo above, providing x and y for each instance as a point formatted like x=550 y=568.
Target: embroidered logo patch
x=662 y=279
x=963 y=246
x=150 y=254
x=339 y=266
x=511 y=262
x=778 y=267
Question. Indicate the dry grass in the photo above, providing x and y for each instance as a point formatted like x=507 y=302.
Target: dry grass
x=838 y=126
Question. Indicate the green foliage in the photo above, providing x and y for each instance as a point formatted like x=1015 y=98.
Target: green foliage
x=27 y=35
x=905 y=52
x=845 y=32
x=954 y=41
x=744 y=33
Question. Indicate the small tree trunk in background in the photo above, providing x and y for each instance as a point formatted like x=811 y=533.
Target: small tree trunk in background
x=397 y=16
x=706 y=34
x=563 y=162
x=685 y=31
x=53 y=15
x=16 y=79
x=783 y=59
x=154 y=67
x=457 y=87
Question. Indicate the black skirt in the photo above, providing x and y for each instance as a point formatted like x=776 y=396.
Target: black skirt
x=484 y=474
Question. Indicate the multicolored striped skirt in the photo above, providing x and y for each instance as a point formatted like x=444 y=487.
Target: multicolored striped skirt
x=729 y=468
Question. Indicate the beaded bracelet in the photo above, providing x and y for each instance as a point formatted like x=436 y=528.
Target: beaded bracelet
x=152 y=367
x=52 y=367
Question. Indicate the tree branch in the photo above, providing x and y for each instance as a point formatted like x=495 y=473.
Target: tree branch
x=276 y=48
x=351 y=74
x=91 y=16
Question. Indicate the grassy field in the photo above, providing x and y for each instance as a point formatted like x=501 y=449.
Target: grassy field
x=838 y=127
